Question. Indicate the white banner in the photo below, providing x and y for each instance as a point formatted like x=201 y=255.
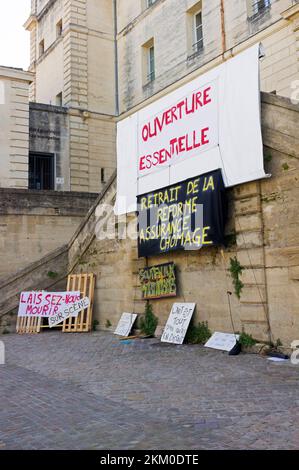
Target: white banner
x=211 y=122
x=45 y=304
x=186 y=128
x=70 y=310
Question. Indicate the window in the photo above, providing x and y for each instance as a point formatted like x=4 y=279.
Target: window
x=59 y=99
x=198 y=32
x=150 y=3
x=151 y=64
x=59 y=29
x=195 y=36
x=41 y=47
x=257 y=7
x=148 y=61
x=103 y=180
x=41 y=171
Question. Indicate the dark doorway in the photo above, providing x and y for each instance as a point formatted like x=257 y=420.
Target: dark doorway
x=41 y=171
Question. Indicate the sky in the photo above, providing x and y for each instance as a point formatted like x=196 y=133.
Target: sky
x=14 y=40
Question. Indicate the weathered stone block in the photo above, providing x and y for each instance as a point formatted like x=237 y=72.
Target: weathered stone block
x=253 y=276
x=248 y=223
x=250 y=240
x=248 y=205
x=253 y=295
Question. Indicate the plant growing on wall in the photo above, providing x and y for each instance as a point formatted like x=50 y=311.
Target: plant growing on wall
x=198 y=334
x=149 y=322
x=95 y=323
x=246 y=340
x=236 y=271
x=52 y=274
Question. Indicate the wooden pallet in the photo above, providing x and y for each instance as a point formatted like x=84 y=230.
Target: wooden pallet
x=28 y=325
x=85 y=284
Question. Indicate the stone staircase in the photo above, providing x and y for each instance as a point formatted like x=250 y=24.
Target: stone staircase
x=50 y=272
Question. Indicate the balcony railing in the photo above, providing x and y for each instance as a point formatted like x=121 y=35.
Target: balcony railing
x=151 y=77
x=197 y=46
x=259 y=7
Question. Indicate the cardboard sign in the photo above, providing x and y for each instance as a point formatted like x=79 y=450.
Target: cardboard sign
x=177 y=323
x=45 y=304
x=70 y=310
x=222 y=341
x=188 y=216
x=158 y=282
x=125 y=324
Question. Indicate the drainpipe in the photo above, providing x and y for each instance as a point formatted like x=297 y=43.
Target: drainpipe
x=116 y=59
x=223 y=32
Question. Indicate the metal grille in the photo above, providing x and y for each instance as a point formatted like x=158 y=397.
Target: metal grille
x=198 y=33
x=41 y=171
x=151 y=64
x=260 y=6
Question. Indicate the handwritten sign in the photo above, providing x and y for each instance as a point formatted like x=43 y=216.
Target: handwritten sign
x=45 y=304
x=125 y=324
x=187 y=128
x=206 y=124
x=158 y=281
x=177 y=323
x=222 y=341
x=187 y=216
x=70 y=310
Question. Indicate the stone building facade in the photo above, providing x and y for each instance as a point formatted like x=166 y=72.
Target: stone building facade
x=226 y=28
x=49 y=130
x=14 y=127
x=104 y=60
x=72 y=58
x=98 y=62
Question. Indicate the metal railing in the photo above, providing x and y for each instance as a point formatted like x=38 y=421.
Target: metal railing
x=197 y=46
x=151 y=77
x=259 y=7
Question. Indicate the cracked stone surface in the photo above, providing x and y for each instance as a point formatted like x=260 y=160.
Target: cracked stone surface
x=91 y=391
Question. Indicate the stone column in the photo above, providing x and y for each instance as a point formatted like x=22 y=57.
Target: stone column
x=75 y=92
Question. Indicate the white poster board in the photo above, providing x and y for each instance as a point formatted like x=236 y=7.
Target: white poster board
x=222 y=341
x=177 y=324
x=70 y=310
x=213 y=122
x=45 y=304
x=125 y=324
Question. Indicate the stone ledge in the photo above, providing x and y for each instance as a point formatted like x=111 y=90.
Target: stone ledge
x=276 y=100
x=25 y=201
x=48 y=108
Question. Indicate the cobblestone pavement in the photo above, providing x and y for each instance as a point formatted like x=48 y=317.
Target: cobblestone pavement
x=72 y=391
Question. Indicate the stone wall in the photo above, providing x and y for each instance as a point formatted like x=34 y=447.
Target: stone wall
x=262 y=232
x=34 y=223
x=50 y=272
